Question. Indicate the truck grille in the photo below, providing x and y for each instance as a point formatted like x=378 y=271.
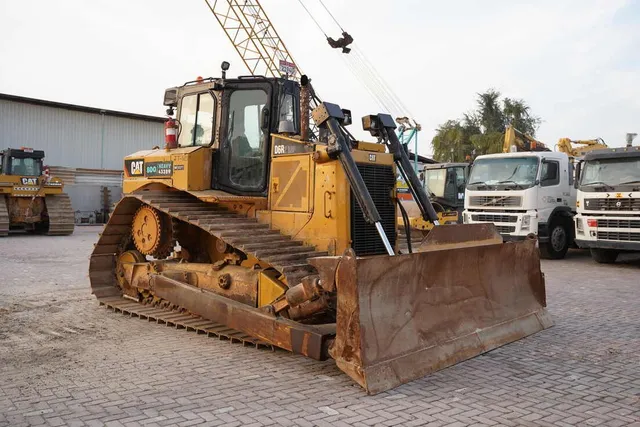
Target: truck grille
x=494 y=218
x=612 y=204
x=365 y=240
x=501 y=201
x=619 y=236
x=619 y=223
x=505 y=229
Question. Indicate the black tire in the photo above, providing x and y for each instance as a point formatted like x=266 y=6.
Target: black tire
x=559 y=239
x=604 y=256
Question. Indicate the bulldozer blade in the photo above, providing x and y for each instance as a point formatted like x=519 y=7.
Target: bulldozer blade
x=400 y=318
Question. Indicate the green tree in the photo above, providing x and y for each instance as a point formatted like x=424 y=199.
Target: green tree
x=517 y=113
x=452 y=142
x=481 y=131
x=489 y=111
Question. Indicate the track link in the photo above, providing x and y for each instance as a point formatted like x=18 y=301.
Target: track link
x=4 y=217
x=181 y=320
x=288 y=256
x=61 y=217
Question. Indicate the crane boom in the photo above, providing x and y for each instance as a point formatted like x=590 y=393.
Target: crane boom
x=566 y=145
x=519 y=141
x=254 y=37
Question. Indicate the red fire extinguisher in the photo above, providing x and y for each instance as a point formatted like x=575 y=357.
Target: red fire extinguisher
x=171 y=134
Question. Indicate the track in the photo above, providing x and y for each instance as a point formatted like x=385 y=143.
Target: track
x=61 y=217
x=286 y=255
x=181 y=320
x=4 y=217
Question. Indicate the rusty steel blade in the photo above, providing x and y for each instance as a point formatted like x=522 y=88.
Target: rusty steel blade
x=400 y=318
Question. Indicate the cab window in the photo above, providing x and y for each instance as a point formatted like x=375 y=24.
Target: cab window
x=197 y=115
x=26 y=166
x=549 y=173
x=288 y=111
x=246 y=138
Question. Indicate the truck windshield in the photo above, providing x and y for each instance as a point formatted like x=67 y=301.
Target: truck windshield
x=611 y=172
x=507 y=172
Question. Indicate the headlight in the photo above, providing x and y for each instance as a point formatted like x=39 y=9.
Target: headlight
x=465 y=218
x=526 y=221
x=579 y=225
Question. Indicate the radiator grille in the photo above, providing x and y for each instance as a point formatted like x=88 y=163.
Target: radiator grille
x=619 y=223
x=365 y=240
x=494 y=218
x=505 y=229
x=618 y=235
x=502 y=201
x=612 y=204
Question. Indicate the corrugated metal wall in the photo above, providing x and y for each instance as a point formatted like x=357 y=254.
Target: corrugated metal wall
x=74 y=138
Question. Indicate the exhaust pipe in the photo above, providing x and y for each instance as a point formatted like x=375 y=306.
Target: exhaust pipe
x=305 y=107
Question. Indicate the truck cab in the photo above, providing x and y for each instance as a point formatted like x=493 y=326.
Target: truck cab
x=608 y=203
x=525 y=193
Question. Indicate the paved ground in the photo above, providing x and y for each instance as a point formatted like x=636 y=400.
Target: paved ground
x=65 y=361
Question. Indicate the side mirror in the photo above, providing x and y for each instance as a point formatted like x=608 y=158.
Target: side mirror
x=264 y=119
x=576 y=177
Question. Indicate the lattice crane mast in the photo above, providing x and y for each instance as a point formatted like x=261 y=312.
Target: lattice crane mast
x=254 y=37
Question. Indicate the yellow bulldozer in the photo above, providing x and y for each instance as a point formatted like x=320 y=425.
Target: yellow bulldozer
x=253 y=227
x=29 y=198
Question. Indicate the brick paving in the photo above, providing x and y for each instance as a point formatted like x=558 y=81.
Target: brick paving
x=64 y=361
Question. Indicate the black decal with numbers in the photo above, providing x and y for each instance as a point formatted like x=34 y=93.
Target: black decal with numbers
x=159 y=169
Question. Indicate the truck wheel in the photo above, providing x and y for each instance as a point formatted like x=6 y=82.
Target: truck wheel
x=559 y=240
x=604 y=256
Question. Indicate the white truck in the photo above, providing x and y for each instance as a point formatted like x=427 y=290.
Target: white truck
x=608 y=205
x=525 y=193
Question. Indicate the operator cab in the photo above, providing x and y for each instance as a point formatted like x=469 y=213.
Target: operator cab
x=235 y=118
x=447 y=182
x=23 y=161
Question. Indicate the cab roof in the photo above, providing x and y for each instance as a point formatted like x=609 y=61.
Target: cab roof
x=613 y=153
x=539 y=154
x=22 y=153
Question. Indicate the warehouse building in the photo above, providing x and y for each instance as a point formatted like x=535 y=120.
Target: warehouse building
x=84 y=146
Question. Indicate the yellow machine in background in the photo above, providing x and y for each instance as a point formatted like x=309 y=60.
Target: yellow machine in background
x=515 y=140
x=566 y=145
x=29 y=198
x=252 y=228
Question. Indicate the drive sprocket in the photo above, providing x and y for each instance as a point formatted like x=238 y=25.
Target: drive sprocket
x=152 y=232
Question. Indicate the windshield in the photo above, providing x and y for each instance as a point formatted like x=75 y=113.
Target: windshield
x=518 y=172
x=26 y=166
x=611 y=172
x=447 y=183
x=435 y=180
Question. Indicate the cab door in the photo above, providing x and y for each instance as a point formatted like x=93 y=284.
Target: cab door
x=242 y=162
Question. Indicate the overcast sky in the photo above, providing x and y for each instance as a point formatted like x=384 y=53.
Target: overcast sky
x=576 y=62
